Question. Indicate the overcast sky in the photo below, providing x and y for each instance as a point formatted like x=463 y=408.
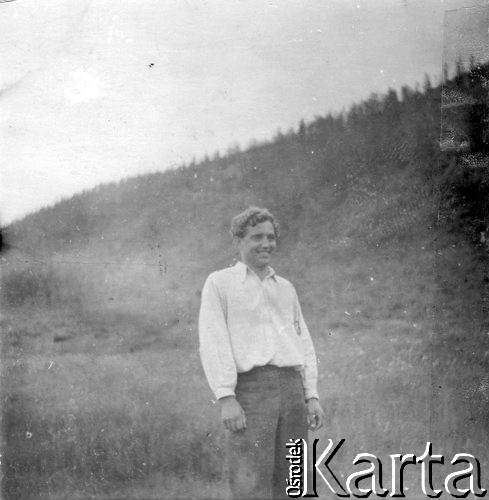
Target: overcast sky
x=92 y=91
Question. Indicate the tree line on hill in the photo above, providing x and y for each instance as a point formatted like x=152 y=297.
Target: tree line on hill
x=305 y=175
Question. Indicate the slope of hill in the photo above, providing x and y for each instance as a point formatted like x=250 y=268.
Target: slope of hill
x=383 y=230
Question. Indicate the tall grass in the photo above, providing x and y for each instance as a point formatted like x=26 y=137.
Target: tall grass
x=95 y=423
x=102 y=402
x=39 y=284
x=92 y=426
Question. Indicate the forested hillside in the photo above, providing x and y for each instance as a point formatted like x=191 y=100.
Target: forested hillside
x=383 y=213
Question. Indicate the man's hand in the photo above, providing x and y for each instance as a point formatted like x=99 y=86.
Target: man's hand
x=232 y=415
x=315 y=414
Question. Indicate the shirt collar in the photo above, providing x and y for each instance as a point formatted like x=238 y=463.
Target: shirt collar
x=243 y=271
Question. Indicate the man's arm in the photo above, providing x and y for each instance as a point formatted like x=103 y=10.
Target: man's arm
x=217 y=356
x=232 y=415
x=315 y=414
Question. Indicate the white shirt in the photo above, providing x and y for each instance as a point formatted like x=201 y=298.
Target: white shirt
x=246 y=322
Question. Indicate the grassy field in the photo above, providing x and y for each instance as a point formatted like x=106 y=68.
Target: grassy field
x=105 y=397
x=92 y=411
x=103 y=394
x=79 y=425
x=86 y=425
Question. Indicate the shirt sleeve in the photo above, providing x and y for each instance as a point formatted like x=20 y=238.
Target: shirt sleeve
x=216 y=352
x=310 y=371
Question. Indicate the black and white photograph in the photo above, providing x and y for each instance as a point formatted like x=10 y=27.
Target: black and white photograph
x=244 y=249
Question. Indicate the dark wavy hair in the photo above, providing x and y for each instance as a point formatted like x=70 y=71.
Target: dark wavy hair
x=251 y=217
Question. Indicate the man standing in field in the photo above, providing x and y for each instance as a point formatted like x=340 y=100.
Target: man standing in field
x=259 y=360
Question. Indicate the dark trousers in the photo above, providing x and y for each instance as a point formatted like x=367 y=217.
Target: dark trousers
x=273 y=401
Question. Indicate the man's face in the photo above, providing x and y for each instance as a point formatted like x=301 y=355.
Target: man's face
x=257 y=245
